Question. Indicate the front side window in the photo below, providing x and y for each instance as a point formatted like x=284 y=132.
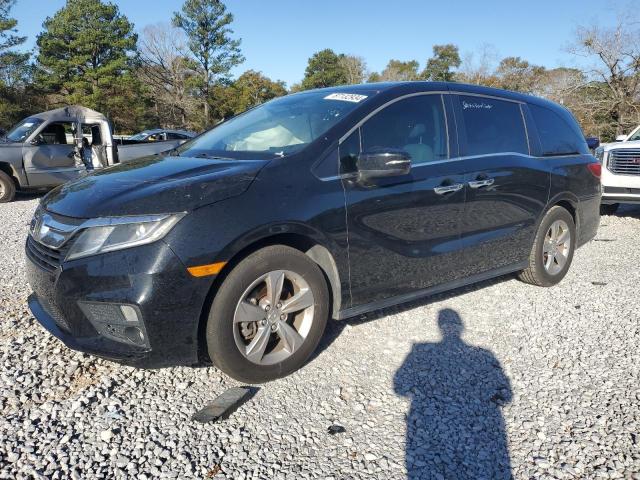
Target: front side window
x=416 y=125
x=557 y=136
x=23 y=130
x=57 y=133
x=493 y=126
x=279 y=127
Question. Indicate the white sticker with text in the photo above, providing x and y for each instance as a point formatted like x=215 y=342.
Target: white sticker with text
x=476 y=105
x=346 y=97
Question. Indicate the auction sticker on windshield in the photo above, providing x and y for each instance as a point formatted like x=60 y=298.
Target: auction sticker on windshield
x=346 y=97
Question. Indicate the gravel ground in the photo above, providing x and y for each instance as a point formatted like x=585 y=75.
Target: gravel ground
x=501 y=378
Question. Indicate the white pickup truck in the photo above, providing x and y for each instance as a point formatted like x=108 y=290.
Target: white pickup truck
x=620 y=171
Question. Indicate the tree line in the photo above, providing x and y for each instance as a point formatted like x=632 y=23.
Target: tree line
x=177 y=74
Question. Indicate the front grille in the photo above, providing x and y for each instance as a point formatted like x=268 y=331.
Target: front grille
x=45 y=257
x=55 y=314
x=624 y=161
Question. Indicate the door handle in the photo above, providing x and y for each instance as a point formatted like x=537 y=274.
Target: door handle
x=448 y=188
x=482 y=183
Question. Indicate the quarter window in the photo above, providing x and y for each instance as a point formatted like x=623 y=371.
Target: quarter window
x=349 y=151
x=416 y=125
x=493 y=126
x=556 y=135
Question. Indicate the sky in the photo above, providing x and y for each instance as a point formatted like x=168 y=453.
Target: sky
x=278 y=36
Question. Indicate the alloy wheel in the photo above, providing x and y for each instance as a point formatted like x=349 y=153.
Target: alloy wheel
x=273 y=317
x=557 y=246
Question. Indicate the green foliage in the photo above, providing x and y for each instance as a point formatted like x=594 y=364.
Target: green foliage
x=250 y=89
x=8 y=37
x=15 y=71
x=519 y=75
x=325 y=69
x=439 y=66
x=86 y=54
x=206 y=24
x=398 y=71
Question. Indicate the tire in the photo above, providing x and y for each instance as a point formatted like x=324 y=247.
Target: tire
x=7 y=188
x=229 y=342
x=544 y=271
x=609 y=209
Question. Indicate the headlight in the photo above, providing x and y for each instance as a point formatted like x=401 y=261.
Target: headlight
x=109 y=234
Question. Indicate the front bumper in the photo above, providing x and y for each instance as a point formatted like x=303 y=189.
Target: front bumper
x=151 y=278
x=612 y=195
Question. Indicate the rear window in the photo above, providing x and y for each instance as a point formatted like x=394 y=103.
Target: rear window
x=557 y=136
x=493 y=126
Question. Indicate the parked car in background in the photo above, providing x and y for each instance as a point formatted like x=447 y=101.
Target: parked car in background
x=325 y=203
x=159 y=135
x=620 y=172
x=42 y=151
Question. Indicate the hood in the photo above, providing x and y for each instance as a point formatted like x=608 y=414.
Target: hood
x=621 y=145
x=153 y=185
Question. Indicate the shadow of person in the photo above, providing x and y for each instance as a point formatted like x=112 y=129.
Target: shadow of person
x=455 y=427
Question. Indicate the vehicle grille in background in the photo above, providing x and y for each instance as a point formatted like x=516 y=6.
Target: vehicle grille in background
x=624 y=162
x=46 y=257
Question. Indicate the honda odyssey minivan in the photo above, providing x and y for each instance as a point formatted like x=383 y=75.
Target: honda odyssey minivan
x=238 y=246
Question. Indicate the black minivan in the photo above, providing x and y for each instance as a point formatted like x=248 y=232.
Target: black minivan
x=238 y=246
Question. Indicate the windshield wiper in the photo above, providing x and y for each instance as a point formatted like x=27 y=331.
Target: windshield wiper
x=211 y=156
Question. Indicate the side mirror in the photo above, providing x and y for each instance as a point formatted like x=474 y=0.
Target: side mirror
x=383 y=163
x=621 y=138
x=37 y=140
x=593 y=142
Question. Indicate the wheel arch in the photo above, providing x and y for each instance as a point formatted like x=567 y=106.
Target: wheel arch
x=11 y=171
x=569 y=202
x=302 y=239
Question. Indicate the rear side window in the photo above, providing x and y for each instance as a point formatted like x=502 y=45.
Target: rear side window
x=493 y=126
x=416 y=125
x=557 y=136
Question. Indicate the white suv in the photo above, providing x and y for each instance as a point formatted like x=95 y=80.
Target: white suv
x=620 y=172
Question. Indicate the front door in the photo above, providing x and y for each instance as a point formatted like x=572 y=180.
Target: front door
x=51 y=159
x=404 y=231
x=507 y=188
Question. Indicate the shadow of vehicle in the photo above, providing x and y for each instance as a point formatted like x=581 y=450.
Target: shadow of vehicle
x=628 y=210
x=28 y=196
x=455 y=427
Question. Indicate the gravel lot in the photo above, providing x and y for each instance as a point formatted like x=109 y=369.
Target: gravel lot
x=502 y=378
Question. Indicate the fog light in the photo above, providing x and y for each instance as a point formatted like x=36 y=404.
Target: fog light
x=122 y=323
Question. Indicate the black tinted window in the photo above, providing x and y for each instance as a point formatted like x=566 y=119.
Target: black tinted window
x=493 y=126
x=175 y=136
x=349 y=150
x=416 y=125
x=557 y=136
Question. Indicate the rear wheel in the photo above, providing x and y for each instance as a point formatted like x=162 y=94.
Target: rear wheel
x=268 y=315
x=552 y=250
x=609 y=209
x=7 y=188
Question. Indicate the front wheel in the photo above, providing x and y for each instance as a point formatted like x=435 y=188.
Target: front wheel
x=552 y=250
x=7 y=188
x=268 y=315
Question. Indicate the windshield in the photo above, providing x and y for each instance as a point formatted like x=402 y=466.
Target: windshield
x=282 y=126
x=139 y=136
x=634 y=136
x=21 y=132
